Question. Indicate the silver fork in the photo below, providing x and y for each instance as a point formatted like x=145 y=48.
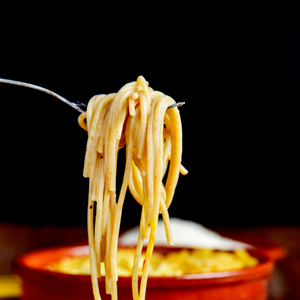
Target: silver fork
x=81 y=107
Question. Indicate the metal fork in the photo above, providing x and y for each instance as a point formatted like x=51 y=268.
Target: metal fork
x=81 y=107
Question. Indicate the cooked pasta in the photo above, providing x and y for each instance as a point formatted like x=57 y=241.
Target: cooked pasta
x=172 y=263
x=139 y=118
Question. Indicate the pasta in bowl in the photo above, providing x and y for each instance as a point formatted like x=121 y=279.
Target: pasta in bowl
x=165 y=263
x=50 y=274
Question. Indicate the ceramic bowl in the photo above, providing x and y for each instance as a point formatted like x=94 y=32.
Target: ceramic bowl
x=39 y=283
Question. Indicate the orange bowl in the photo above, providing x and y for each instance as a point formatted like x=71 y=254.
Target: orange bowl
x=39 y=283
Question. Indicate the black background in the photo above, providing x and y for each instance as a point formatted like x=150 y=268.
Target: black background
x=235 y=65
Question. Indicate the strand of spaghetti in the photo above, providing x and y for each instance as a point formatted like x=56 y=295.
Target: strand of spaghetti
x=167 y=144
x=160 y=110
x=158 y=117
x=176 y=152
x=144 y=106
x=145 y=102
x=89 y=114
x=131 y=103
x=166 y=152
x=166 y=220
x=103 y=121
x=137 y=258
x=150 y=162
x=104 y=221
x=143 y=227
x=98 y=225
x=183 y=170
x=119 y=205
x=135 y=175
x=81 y=121
x=90 y=224
x=141 y=176
x=141 y=164
x=92 y=253
x=145 y=85
x=156 y=137
x=147 y=260
x=94 y=119
x=113 y=148
x=113 y=243
x=109 y=280
x=105 y=217
x=135 y=184
x=93 y=186
x=95 y=263
x=91 y=155
x=115 y=130
x=97 y=125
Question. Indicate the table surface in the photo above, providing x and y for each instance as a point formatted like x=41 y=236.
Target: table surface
x=285 y=284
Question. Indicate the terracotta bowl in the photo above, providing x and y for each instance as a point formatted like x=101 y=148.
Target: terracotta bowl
x=39 y=283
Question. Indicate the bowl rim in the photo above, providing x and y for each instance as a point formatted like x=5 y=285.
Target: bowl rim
x=30 y=266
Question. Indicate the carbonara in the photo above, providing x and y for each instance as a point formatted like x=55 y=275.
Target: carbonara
x=138 y=117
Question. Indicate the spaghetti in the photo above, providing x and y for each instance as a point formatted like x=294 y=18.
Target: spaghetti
x=137 y=117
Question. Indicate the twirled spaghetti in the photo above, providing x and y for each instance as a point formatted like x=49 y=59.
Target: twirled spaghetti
x=139 y=118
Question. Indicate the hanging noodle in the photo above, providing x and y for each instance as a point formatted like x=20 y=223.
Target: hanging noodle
x=138 y=117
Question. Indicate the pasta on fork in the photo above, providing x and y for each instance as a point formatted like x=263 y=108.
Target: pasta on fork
x=136 y=117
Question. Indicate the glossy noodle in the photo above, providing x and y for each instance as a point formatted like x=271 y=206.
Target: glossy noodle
x=139 y=118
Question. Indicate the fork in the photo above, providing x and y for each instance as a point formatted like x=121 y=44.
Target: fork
x=81 y=107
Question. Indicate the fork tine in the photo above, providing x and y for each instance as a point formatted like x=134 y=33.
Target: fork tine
x=178 y=104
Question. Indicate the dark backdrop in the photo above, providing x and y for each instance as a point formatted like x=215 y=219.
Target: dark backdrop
x=236 y=66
